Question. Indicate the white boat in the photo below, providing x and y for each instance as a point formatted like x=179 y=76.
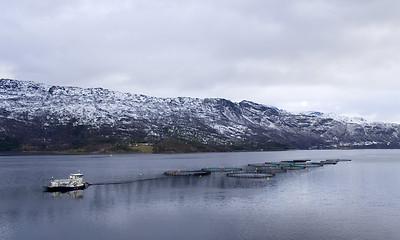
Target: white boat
x=73 y=182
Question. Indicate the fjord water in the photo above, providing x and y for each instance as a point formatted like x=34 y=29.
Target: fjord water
x=350 y=200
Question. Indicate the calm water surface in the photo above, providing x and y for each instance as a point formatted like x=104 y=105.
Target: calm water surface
x=350 y=200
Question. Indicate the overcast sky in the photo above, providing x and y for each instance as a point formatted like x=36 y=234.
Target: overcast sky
x=332 y=56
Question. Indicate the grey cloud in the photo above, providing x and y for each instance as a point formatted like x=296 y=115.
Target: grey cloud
x=208 y=48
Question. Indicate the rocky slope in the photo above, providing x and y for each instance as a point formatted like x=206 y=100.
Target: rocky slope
x=36 y=116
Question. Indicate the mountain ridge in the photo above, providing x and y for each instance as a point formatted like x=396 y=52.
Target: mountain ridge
x=41 y=117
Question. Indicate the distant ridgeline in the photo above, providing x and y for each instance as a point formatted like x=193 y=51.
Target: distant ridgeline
x=40 y=117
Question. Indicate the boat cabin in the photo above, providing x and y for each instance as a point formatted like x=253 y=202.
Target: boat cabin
x=76 y=176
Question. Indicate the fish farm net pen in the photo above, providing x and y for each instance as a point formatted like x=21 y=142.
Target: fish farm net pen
x=314 y=164
x=221 y=169
x=250 y=175
x=259 y=165
x=271 y=170
x=340 y=160
x=264 y=170
x=293 y=167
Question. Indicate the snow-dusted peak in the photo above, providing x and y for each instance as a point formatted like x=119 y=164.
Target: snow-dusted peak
x=340 y=118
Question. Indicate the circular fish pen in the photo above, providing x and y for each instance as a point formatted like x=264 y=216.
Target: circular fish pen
x=275 y=169
x=330 y=161
x=293 y=167
x=187 y=173
x=256 y=165
x=314 y=164
x=221 y=169
x=267 y=167
x=250 y=175
x=343 y=160
x=272 y=164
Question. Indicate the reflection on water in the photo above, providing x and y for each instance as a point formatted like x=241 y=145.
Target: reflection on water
x=70 y=194
x=215 y=180
x=356 y=200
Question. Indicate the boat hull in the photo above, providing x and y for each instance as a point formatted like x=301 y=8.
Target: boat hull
x=64 y=188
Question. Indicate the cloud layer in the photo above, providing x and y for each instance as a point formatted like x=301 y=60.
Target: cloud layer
x=332 y=56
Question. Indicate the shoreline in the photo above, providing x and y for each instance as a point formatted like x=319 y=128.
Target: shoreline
x=46 y=153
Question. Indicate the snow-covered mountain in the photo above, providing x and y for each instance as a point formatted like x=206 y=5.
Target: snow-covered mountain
x=39 y=116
